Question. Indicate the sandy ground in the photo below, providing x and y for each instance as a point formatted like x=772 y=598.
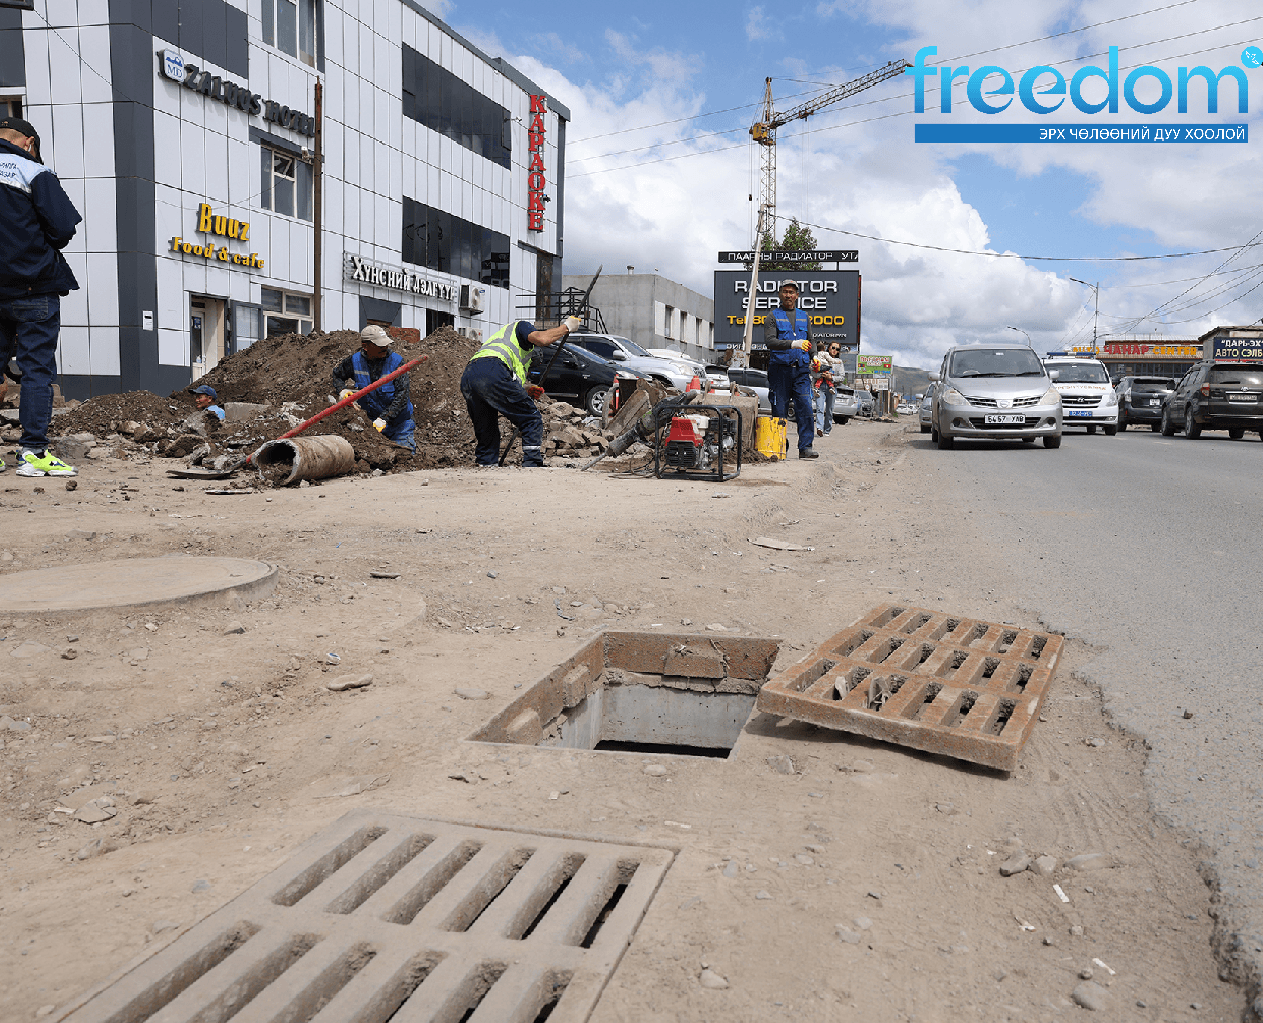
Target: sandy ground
x=223 y=749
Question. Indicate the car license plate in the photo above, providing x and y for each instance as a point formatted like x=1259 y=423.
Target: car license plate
x=1241 y=397
x=1079 y=412
x=1155 y=401
x=1006 y=420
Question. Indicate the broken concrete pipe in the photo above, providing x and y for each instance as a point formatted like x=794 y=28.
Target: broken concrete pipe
x=282 y=462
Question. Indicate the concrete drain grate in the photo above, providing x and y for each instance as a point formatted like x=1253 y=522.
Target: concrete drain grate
x=383 y=917
x=937 y=682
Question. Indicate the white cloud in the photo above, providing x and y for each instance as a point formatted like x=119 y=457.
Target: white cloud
x=759 y=26
x=675 y=213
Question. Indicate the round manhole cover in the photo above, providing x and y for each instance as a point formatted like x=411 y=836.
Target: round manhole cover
x=133 y=582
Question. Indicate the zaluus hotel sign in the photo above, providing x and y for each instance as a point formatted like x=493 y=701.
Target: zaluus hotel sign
x=233 y=95
x=535 y=181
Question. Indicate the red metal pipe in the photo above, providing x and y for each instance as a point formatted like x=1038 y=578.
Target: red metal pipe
x=351 y=397
x=343 y=403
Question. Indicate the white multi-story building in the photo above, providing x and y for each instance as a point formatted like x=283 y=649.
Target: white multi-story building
x=251 y=167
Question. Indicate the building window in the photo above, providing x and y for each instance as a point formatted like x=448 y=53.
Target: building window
x=285 y=185
x=446 y=104
x=284 y=312
x=11 y=107
x=440 y=241
x=291 y=27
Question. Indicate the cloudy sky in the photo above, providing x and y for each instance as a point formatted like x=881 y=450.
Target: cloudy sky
x=660 y=165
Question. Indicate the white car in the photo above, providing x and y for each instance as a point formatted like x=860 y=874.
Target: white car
x=1088 y=397
x=626 y=353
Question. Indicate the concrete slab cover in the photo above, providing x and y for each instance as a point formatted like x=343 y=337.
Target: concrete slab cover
x=933 y=681
x=135 y=582
x=384 y=917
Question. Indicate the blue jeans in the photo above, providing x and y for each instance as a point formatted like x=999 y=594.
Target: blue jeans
x=491 y=390
x=824 y=409
x=792 y=383
x=30 y=326
x=402 y=433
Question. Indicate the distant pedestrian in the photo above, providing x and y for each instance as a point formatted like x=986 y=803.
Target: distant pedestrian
x=37 y=221
x=787 y=333
x=494 y=385
x=826 y=364
x=389 y=406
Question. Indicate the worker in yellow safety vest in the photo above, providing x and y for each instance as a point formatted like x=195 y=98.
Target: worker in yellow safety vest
x=494 y=385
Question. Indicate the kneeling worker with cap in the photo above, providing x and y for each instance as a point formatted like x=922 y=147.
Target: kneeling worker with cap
x=390 y=406
x=494 y=384
x=207 y=400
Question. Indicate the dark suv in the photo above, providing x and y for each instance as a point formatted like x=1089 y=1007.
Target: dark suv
x=1140 y=401
x=577 y=376
x=1216 y=396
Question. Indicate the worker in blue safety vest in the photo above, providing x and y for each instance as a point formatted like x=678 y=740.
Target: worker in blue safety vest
x=787 y=333
x=494 y=385
x=389 y=406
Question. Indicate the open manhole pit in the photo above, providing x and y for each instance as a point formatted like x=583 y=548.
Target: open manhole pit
x=642 y=692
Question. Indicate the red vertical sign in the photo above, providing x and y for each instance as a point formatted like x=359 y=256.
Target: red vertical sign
x=535 y=179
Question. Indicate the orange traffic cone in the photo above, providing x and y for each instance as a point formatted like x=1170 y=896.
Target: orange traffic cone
x=695 y=384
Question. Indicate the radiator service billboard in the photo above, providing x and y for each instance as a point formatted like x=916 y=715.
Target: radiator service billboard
x=830 y=297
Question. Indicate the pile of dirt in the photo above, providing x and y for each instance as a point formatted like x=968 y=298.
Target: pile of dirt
x=278 y=383
x=99 y=415
x=291 y=373
x=290 y=378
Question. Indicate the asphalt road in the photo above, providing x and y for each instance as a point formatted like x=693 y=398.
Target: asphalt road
x=1151 y=549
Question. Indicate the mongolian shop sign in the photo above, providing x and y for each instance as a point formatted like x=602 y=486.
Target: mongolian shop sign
x=1152 y=351
x=535 y=179
x=354 y=268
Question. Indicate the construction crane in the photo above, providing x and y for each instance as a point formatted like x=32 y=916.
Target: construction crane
x=764 y=131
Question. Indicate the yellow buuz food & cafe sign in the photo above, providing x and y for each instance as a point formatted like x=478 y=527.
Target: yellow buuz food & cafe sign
x=208 y=223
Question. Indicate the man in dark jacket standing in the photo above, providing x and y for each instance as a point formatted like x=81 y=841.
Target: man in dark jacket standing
x=787 y=333
x=37 y=221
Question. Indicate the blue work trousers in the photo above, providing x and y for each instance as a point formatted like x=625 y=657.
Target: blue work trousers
x=491 y=390
x=29 y=327
x=786 y=383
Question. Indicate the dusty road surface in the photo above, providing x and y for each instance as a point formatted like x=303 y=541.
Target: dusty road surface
x=863 y=885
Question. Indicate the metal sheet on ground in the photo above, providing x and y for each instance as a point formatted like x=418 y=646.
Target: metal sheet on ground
x=926 y=679
x=382 y=916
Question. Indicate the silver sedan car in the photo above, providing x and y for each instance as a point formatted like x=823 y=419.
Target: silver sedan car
x=926 y=415
x=994 y=392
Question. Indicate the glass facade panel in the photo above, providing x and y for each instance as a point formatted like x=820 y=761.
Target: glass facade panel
x=305 y=185
x=440 y=241
x=270 y=298
x=445 y=104
x=286 y=26
x=265 y=178
x=269 y=22
x=307 y=31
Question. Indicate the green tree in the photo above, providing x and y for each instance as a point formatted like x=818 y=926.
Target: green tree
x=797 y=238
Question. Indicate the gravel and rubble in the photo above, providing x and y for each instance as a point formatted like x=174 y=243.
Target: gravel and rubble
x=277 y=383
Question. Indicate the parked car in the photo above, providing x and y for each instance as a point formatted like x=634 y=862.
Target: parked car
x=577 y=376
x=865 y=401
x=673 y=356
x=1087 y=396
x=926 y=412
x=1140 y=401
x=1215 y=396
x=754 y=380
x=845 y=404
x=994 y=392
x=628 y=354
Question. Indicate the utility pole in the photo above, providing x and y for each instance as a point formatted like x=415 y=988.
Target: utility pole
x=744 y=358
x=1096 y=294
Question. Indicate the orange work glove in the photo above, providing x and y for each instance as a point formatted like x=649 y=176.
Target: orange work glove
x=535 y=391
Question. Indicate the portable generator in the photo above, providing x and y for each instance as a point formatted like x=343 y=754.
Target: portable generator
x=700 y=443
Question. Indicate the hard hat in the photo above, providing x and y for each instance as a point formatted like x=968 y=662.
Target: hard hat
x=376 y=335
